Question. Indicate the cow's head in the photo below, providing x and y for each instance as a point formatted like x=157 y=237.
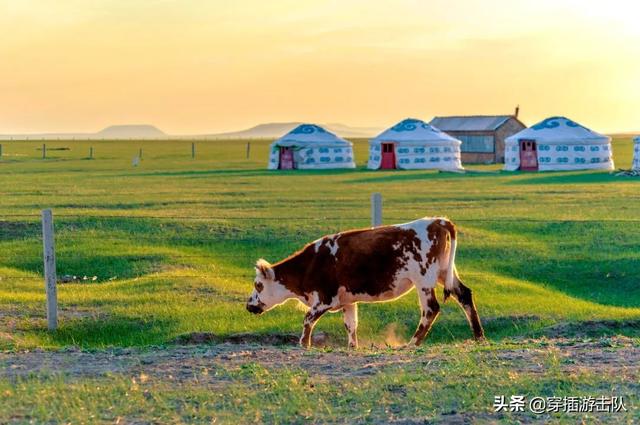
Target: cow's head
x=267 y=291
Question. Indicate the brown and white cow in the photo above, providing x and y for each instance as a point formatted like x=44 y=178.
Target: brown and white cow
x=370 y=265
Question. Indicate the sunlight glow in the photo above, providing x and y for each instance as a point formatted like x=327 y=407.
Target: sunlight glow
x=191 y=66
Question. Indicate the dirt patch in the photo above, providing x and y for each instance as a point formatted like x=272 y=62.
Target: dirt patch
x=183 y=363
x=319 y=339
x=195 y=338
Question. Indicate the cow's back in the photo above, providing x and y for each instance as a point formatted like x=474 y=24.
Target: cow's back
x=368 y=261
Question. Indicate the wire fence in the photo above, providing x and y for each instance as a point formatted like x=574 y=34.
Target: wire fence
x=94 y=247
x=230 y=240
x=320 y=218
x=137 y=151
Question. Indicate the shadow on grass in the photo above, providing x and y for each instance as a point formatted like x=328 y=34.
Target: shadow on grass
x=563 y=177
x=592 y=261
x=133 y=247
x=591 y=329
x=91 y=262
x=605 y=281
x=32 y=160
x=527 y=326
x=200 y=173
x=16 y=230
x=451 y=327
x=238 y=173
x=110 y=330
x=411 y=175
x=131 y=205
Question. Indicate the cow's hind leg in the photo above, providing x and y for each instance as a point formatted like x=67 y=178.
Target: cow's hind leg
x=310 y=320
x=463 y=296
x=351 y=323
x=429 y=312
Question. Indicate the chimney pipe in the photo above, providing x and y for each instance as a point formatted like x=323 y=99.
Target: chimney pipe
x=517 y=111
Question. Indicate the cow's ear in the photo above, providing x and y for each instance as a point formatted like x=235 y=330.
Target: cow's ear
x=264 y=270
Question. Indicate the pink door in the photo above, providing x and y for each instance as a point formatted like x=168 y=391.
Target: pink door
x=528 y=155
x=388 y=157
x=286 y=159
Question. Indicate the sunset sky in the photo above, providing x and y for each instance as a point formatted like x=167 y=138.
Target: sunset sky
x=206 y=66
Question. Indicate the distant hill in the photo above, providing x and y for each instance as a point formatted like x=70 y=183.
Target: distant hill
x=347 y=131
x=131 y=131
x=143 y=131
x=269 y=130
x=628 y=134
x=146 y=131
x=277 y=129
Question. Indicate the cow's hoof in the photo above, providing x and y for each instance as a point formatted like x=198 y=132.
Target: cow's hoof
x=305 y=344
x=413 y=343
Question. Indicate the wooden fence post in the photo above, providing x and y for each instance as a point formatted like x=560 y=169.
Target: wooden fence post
x=140 y=154
x=50 y=277
x=44 y=151
x=91 y=152
x=248 y=149
x=193 y=150
x=376 y=209
x=0 y=151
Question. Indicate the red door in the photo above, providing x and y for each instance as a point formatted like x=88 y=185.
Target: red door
x=388 y=157
x=528 y=155
x=286 y=158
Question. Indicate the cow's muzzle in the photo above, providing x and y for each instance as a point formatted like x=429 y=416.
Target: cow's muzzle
x=255 y=309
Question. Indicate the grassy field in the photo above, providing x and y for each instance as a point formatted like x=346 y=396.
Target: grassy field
x=172 y=243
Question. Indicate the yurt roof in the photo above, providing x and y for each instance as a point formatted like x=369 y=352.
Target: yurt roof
x=636 y=139
x=310 y=135
x=559 y=129
x=414 y=130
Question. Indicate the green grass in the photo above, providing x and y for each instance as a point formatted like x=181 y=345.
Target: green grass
x=173 y=241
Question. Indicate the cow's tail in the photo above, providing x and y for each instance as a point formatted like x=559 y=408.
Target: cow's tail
x=451 y=265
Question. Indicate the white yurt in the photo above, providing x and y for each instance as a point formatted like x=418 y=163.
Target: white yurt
x=636 y=154
x=413 y=144
x=558 y=143
x=310 y=147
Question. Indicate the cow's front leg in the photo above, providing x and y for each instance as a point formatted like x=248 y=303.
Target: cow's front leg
x=429 y=312
x=351 y=323
x=310 y=320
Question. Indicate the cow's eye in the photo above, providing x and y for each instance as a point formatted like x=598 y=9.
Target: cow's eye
x=259 y=286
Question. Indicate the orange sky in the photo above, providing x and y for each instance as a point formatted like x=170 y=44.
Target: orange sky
x=205 y=66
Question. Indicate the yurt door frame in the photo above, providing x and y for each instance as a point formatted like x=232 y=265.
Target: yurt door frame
x=286 y=158
x=388 y=153
x=528 y=155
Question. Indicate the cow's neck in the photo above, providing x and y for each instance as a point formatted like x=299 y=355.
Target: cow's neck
x=290 y=273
